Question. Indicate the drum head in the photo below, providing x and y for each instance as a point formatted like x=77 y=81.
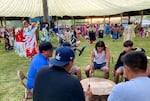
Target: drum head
x=99 y=86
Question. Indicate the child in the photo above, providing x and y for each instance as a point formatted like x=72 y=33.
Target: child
x=141 y=32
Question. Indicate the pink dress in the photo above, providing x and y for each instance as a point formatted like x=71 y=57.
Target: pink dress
x=141 y=32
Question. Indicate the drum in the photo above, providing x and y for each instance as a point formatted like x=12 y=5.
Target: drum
x=99 y=86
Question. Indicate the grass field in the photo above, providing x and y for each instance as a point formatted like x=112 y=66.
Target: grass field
x=12 y=90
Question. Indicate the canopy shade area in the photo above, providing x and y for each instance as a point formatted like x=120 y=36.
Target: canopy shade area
x=33 y=8
x=145 y=22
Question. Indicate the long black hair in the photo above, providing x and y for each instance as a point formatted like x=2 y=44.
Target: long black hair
x=100 y=44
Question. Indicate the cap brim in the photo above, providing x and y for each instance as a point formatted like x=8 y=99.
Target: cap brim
x=58 y=63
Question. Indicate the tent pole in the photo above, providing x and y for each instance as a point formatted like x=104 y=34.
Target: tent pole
x=88 y=20
x=1 y=22
x=74 y=21
x=72 y=18
x=121 y=15
x=104 y=21
x=22 y=19
x=128 y=18
x=141 y=18
x=45 y=12
x=57 y=21
x=91 y=20
x=109 y=20
x=4 y=21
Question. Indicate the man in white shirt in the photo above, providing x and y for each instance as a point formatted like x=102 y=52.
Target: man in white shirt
x=137 y=88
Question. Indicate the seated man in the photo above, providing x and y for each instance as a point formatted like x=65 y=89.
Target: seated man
x=39 y=60
x=55 y=83
x=137 y=88
x=74 y=69
x=100 y=59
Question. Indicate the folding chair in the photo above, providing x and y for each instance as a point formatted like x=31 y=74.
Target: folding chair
x=27 y=93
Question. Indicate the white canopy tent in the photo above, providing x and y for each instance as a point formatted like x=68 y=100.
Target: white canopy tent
x=33 y=8
x=145 y=22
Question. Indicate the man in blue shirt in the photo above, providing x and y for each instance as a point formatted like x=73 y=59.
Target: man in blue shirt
x=137 y=88
x=40 y=60
x=56 y=83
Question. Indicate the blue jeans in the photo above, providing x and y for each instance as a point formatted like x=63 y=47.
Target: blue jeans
x=99 y=66
x=121 y=67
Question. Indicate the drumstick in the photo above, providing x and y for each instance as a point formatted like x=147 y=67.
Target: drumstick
x=89 y=78
x=89 y=95
x=91 y=74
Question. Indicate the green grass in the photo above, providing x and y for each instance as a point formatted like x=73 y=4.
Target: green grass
x=12 y=90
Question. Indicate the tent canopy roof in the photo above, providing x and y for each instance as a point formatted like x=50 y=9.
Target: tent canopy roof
x=33 y=8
